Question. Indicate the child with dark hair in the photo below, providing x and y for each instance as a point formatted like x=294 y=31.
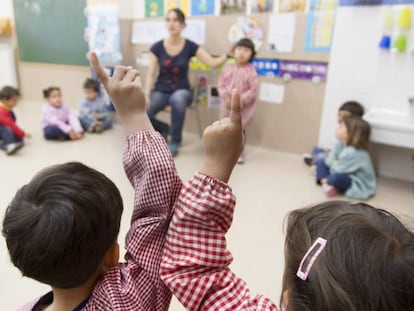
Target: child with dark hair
x=348 y=168
x=61 y=228
x=242 y=76
x=339 y=255
x=93 y=109
x=349 y=108
x=58 y=122
x=11 y=135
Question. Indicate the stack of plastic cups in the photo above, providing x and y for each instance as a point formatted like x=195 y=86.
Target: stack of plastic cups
x=404 y=25
x=388 y=22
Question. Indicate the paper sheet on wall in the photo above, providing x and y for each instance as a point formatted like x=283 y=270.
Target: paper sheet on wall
x=103 y=31
x=150 y=32
x=272 y=93
x=281 y=33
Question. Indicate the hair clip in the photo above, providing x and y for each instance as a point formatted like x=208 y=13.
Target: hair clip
x=316 y=248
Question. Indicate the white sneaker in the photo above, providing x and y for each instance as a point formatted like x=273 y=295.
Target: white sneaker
x=13 y=147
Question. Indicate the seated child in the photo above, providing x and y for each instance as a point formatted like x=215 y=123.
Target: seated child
x=348 y=168
x=93 y=109
x=11 y=135
x=242 y=76
x=61 y=228
x=349 y=108
x=338 y=255
x=58 y=122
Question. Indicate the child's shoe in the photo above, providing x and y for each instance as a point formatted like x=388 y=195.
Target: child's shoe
x=13 y=147
x=308 y=159
x=330 y=191
x=91 y=129
x=173 y=149
x=99 y=128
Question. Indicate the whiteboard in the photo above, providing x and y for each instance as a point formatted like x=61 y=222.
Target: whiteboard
x=8 y=66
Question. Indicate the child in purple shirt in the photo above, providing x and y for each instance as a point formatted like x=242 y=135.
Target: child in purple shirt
x=58 y=122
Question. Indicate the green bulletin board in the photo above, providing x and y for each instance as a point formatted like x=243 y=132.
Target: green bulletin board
x=51 y=31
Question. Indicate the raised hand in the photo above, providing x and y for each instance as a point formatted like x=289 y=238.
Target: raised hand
x=223 y=142
x=125 y=90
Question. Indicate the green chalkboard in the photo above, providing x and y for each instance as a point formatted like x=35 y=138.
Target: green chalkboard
x=51 y=31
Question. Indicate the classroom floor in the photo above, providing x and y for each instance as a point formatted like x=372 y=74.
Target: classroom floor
x=267 y=186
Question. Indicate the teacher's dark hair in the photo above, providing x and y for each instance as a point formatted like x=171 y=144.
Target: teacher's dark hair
x=180 y=14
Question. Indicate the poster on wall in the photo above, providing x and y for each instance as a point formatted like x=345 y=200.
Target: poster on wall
x=320 y=25
x=286 y=6
x=247 y=27
x=281 y=34
x=184 y=5
x=233 y=7
x=374 y=2
x=154 y=8
x=266 y=67
x=202 y=7
x=261 y=6
x=103 y=32
x=314 y=71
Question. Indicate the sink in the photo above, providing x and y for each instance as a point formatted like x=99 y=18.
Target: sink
x=391 y=127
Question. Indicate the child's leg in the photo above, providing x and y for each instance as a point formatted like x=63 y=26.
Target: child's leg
x=318 y=153
x=107 y=122
x=340 y=181
x=158 y=102
x=53 y=132
x=7 y=136
x=86 y=122
x=322 y=170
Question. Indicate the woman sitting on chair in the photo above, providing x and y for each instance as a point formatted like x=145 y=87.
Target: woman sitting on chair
x=172 y=56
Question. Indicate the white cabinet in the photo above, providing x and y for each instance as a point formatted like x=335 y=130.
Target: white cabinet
x=8 y=74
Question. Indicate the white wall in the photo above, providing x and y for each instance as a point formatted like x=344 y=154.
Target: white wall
x=6 y=8
x=359 y=70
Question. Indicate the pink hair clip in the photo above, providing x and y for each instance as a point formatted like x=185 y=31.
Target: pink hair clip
x=316 y=248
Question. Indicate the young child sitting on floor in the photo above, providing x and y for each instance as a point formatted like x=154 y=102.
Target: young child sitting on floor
x=93 y=109
x=349 y=108
x=11 y=135
x=242 y=76
x=61 y=228
x=58 y=122
x=338 y=255
x=348 y=168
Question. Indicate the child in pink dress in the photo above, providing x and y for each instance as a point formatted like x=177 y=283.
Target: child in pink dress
x=242 y=76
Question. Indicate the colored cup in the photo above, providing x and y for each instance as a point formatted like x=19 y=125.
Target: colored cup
x=385 y=42
x=388 y=19
x=400 y=43
x=404 y=22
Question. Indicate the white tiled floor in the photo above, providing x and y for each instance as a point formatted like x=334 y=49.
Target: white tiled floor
x=267 y=186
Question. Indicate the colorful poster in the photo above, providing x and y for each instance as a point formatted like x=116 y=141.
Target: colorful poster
x=233 y=7
x=320 y=25
x=261 y=6
x=266 y=67
x=202 y=7
x=154 y=8
x=247 y=27
x=286 y=6
x=184 y=5
x=103 y=32
x=314 y=71
x=374 y=2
